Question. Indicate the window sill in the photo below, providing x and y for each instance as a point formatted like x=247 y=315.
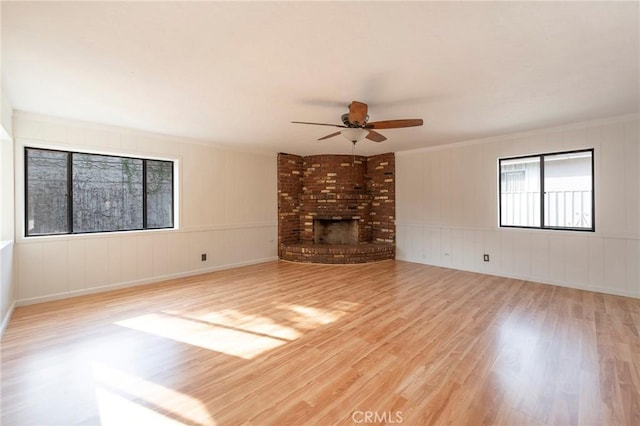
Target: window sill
x=94 y=235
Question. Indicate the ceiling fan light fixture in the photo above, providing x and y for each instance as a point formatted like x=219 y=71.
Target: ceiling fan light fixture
x=354 y=134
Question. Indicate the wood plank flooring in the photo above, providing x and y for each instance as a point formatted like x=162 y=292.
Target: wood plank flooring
x=283 y=343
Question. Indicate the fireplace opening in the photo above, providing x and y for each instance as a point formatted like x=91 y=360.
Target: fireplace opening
x=335 y=231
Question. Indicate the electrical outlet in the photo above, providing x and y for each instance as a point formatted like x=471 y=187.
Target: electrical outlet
x=203 y=257
x=486 y=257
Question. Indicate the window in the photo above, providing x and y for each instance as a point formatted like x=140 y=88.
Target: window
x=548 y=191
x=75 y=193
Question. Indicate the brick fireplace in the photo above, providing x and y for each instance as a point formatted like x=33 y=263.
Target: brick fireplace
x=336 y=208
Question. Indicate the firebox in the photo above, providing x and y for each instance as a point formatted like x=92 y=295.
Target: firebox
x=335 y=231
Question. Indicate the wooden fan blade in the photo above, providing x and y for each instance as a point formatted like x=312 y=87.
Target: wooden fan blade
x=329 y=136
x=357 y=113
x=394 y=124
x=375 y=136
x=318 y=124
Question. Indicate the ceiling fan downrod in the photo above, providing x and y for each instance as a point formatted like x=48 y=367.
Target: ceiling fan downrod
x=353 y=152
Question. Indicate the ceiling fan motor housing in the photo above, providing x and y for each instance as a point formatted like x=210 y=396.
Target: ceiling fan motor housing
x=346 y=122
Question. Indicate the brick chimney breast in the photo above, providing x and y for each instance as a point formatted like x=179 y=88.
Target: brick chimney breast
x=317 y=190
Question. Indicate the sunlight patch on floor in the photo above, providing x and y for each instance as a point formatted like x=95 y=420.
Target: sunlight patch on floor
x=116 y=410
x=517 y=362
x=125 y=399
x=223 y=339
x=242 y=321
x=237 y=333
x=308 y=318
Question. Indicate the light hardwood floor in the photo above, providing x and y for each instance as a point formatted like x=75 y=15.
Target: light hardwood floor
x=283 y=343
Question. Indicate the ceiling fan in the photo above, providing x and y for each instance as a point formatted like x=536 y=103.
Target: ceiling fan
x=356 y=126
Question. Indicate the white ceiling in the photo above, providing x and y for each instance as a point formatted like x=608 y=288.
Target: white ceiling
x=237 y=73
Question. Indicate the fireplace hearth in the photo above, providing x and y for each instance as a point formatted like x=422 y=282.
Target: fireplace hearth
x=336 y=208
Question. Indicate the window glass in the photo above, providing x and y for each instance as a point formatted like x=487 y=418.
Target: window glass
x=46 y=192
x=107 y=193
x=568 y=190
x=159 y=194
x=520 y=192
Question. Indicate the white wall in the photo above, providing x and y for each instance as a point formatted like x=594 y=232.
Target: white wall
x=7 y=264
x=447 y=210
x=227 y=209
x=6 y=170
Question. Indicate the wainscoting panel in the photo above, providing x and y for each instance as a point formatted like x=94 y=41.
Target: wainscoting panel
x=608 y=265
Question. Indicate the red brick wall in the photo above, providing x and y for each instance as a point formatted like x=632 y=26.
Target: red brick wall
x=334 y=174
x=289 y=191
x=381 y=184
x=334 y=187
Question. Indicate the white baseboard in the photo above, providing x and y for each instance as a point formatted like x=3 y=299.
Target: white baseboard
x=152 y=280
x=7 y=317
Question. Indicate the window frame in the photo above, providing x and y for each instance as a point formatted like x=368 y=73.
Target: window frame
x=541 y=158
x=69 y=182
